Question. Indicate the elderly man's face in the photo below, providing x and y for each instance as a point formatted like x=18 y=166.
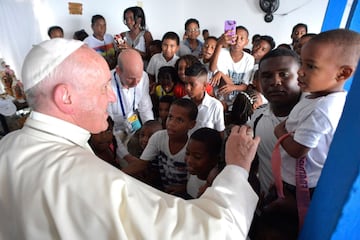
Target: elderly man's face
x=93 y=94
x=131 y=72
x=130 y=77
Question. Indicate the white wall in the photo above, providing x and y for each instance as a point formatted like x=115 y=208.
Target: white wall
x=161 y=16
x=170 y=15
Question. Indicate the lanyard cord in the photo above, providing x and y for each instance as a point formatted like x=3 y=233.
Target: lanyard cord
x=120 y=99
x=302 y=189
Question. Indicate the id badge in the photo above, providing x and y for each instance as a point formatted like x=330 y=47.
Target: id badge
x=120 y=124
x=134 y=122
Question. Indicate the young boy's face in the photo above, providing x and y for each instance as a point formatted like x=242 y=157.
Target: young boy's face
x=167 y=84
x=154 y=50
x=169 y=48
x=99 y=27
x=278 y=79
x=195 y=86
x=145 y=133
x=260 y=49
x=178 y=122
x=319 y=68
x=197 y=159
x=302 y=41
x=192 y=31
x=102 y=140
x=242 y=39
x=205 y=35
x=56 y=34
x=208 y=48
x=181 y=70
x=164 y=108
x=298 y=32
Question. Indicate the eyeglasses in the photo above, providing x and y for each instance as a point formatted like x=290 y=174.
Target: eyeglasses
x=192 y=30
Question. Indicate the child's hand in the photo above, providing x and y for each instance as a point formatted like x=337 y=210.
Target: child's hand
x=215 y=80
x=226 y=39
x=241 y=147
x=226 y=89
x=120 y=42
x=280 y=129
x=130 y=158
x=123 y=45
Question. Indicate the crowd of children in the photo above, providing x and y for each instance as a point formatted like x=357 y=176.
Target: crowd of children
x=200 y=89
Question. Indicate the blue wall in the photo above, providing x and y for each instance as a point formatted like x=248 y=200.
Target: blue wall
x=335 y=209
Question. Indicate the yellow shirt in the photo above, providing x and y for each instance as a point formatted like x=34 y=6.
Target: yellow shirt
x=160 y=92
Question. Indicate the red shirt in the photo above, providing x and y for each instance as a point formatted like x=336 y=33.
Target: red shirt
x=179 y=90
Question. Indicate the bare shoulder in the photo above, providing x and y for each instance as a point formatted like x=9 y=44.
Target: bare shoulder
x=148 y=36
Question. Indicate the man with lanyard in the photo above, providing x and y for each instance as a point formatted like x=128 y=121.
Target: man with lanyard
x=131 y=86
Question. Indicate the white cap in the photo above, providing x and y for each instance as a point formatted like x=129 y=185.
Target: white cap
x=44 y=58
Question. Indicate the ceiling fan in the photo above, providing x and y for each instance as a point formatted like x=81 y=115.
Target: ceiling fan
x=269 y=7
